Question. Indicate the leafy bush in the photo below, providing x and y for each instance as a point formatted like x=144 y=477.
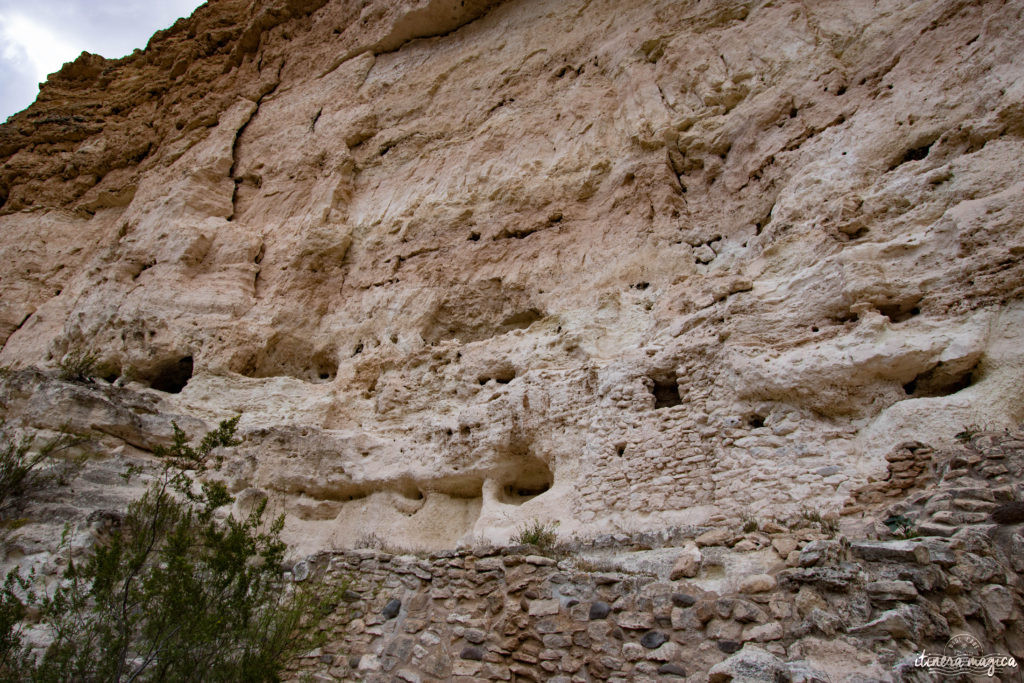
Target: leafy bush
x=24 y=468
x=178 y=592
x=14 y=656
x=77 y=365
x=539 y=534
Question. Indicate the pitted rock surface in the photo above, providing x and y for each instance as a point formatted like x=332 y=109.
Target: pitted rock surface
x=646 y=269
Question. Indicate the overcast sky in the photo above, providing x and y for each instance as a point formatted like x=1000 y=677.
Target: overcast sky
x=38 y=36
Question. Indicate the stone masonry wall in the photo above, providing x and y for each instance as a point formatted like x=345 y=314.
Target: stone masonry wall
x=768 y=600
x=844 y=610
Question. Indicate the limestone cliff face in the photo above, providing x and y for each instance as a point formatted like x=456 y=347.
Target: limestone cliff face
x=463 y=264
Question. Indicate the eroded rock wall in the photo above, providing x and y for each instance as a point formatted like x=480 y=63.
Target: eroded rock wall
x=767 y=602
x=460 y=265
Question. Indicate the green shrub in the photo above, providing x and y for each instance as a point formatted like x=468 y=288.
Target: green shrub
x=539 y=534
x=25 y=468
x=14 y=593
x=77 y=365
x=178 y=592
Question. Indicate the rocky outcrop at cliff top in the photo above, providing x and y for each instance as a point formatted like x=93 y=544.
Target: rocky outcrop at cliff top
x=464 y=264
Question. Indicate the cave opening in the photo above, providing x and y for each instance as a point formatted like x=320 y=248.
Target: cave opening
x=940 y=381
x=527 y=479
x=171 y=377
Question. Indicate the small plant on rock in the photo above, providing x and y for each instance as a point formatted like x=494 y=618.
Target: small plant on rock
x=750 y=523
x=902 y=527
x=539 y=534
x=370 y=541
x=967 y=433
x=77 y=365
x=828 y=525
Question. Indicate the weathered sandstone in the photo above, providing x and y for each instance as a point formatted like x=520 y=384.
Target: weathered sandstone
x=629 y=266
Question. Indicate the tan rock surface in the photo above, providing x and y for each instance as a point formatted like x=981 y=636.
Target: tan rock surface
x=461 y=265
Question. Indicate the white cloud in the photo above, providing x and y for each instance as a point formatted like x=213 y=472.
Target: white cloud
x=33 y=46
x=38 y=36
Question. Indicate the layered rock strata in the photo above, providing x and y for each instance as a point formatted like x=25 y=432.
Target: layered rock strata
x=460 y=265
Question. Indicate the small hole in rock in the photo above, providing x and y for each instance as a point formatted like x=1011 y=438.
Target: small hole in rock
x=474 y=236
x=500 y=375
x=897 y=313
x=755 y=421
x=523 y=492
x=913 y=154
x=666 y=393
x=521 y=321
x=846 y=318
x=407 y=489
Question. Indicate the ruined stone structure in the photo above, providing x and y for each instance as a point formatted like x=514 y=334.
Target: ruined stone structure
x=830 y=609
x=635 y=267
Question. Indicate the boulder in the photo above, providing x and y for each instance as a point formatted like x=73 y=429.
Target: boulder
x=720 y=536
x=687 y=564
x=891 y=591
x=750 y=665
x=758 y=583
